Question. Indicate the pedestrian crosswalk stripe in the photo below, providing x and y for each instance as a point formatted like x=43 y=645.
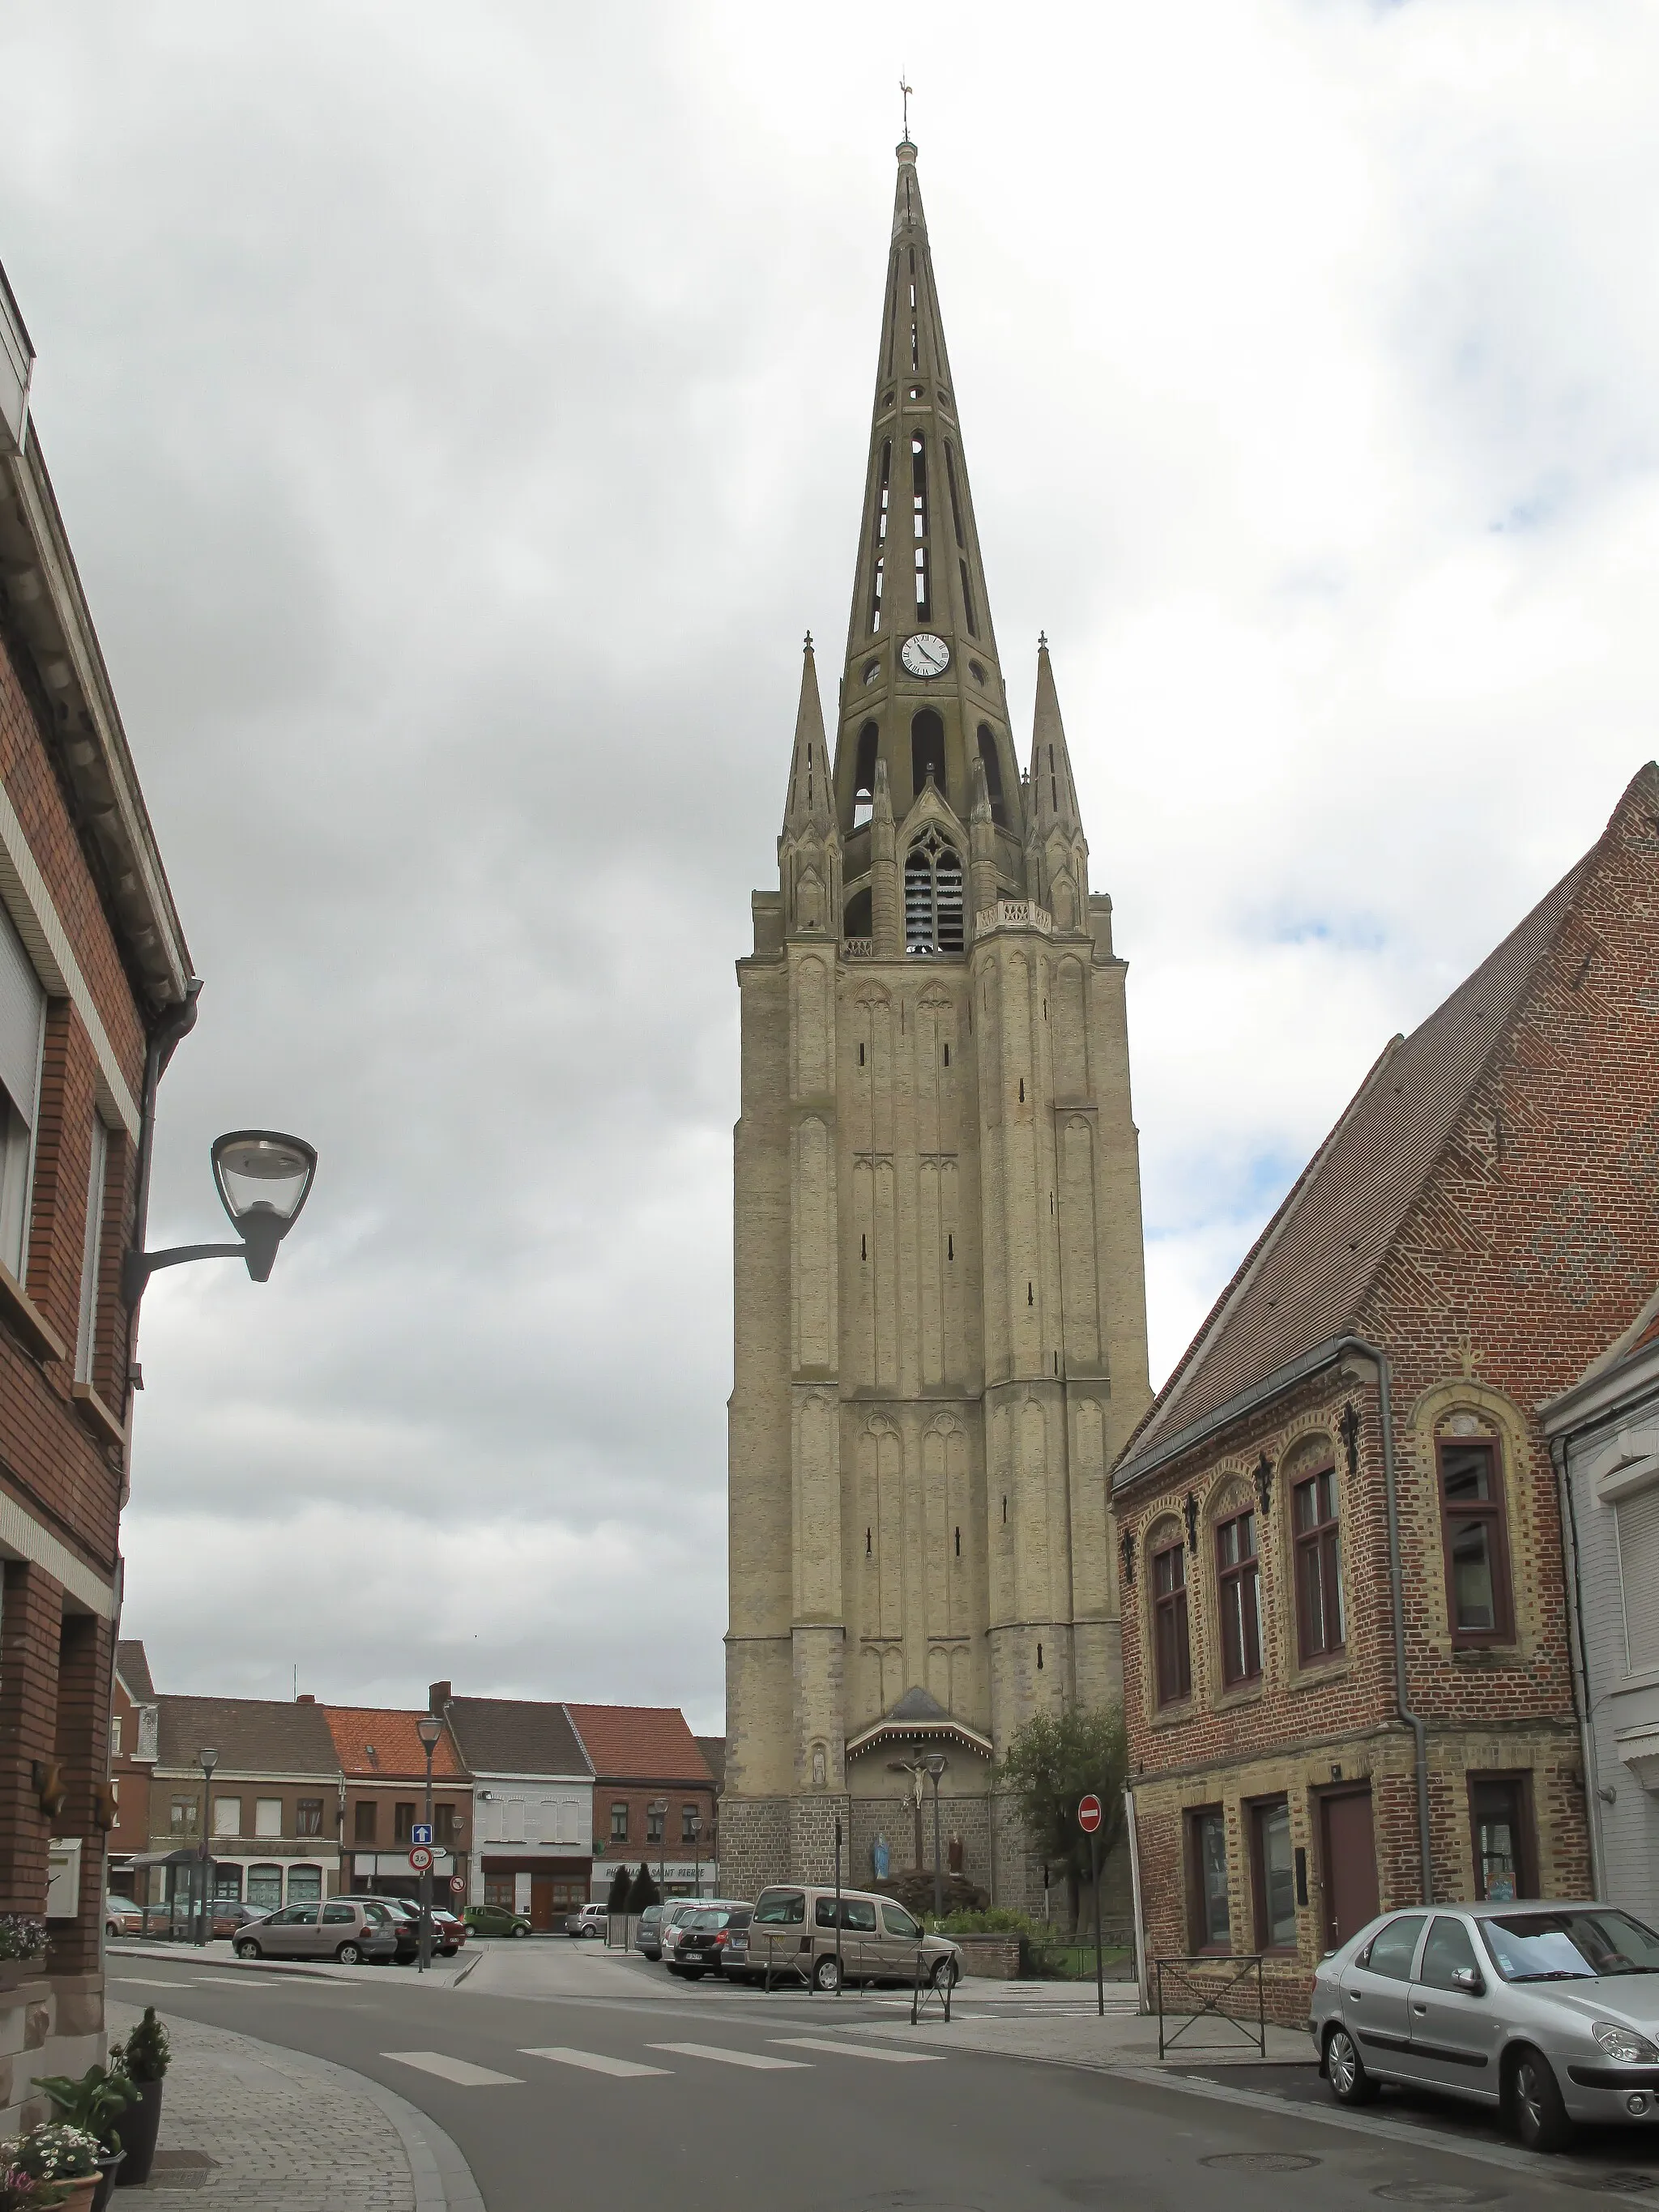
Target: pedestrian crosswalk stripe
x=860 y=2050
x=595 y=2061
x=151 y=1981
x=458 y=2071
x=755 y=2058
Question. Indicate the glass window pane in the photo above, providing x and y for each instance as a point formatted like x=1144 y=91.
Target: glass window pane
x=1465 y=1471
x=1394 y=1947
x=304 y=1881
x=1212 y=1877
x=1278 y=1878
x=1474 y=1596
x=265 y=1887
x=1446 y=1953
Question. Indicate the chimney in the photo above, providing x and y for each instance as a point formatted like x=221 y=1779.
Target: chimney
x=439 y=1696
x=304 y=1698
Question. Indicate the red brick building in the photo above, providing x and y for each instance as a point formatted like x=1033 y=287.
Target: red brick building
x=134 y=1744
x=644 y=1756
x=95 y=986
x=1346 y=1655
x=384 y=1766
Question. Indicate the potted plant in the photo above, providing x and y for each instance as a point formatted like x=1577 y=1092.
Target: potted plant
x=95 y=2103
x=66 y=2157
x=143 y=2059
x=23 y=1947
x=21 y=2191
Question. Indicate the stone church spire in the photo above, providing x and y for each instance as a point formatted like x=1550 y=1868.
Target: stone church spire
x=923 y=689
x=808 y=851
x=1056 y=850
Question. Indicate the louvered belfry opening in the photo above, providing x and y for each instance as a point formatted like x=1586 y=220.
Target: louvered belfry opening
x=933 y=895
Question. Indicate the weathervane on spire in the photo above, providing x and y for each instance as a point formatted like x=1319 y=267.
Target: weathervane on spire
x=906 y=89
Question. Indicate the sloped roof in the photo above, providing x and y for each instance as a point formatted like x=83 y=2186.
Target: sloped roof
x=516 y=1736
x=133 y=1667
x=642 y=1743
x=391 y=1733
x=252 y=1735
x=1307 y=1278
x=713 y=1748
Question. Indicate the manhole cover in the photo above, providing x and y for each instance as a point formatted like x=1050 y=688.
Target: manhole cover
x=1432 y=2192
x=1259 y=2161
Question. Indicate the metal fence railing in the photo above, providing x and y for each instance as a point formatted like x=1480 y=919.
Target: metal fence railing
x=1226 y=1991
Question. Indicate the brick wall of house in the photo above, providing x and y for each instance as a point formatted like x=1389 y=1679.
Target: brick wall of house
x=637 y=1844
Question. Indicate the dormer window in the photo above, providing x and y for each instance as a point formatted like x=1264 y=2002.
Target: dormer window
x=933 y=895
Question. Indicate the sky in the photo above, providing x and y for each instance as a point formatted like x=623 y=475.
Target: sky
x=459 y=416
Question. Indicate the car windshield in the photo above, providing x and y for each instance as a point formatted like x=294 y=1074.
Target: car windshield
x=708 y=1919
x=1569 y=1945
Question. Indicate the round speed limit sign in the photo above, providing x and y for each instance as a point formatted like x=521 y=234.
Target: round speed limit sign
x=421 y=1858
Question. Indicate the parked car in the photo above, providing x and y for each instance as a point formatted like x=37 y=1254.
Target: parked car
x=706 y=1938
x=793 y=1932
x=354 y=1929
x=647 y=1934
x=122 y=1917
x=670 y=1928
x=593 y=1920
x=495 y=1920
x=1548 y=2012
x=406 y=1918
x=449 y=1931
x=229 y=1914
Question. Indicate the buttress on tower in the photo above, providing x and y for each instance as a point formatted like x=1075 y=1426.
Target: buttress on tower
x=940 y=1313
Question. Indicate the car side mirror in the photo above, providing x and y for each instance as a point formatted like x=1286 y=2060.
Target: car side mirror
x=1470 y=1979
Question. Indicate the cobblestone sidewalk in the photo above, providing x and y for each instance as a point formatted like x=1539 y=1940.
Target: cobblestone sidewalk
x=249 y=2127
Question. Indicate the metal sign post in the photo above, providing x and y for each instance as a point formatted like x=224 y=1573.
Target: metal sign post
x=838 y=1904
x=1089 y=1813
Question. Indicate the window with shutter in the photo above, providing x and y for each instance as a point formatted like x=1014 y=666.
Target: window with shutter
x=512 y=1822
x=1637 y=1518
x=87 y=1329
x=22 y=1018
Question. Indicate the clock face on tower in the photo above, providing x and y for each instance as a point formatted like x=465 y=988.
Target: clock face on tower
x=924 y=654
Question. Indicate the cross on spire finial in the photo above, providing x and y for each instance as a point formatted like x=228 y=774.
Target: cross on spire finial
x=806 y=645
x=1042 y=640
x=906 y=89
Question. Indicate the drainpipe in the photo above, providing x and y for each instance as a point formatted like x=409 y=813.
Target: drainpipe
x=1413 y=1721
x=173 y=1025
x=1578 y=1658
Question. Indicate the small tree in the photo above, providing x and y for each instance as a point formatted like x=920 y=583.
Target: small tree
x=1052 y=1762
x=644 y=1890
x=617 y=1899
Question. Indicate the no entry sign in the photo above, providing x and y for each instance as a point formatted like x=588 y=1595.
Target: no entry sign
x=420 y=1858
x=1088 y=1813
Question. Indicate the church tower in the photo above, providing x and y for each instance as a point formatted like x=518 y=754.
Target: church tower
x=940 y=1316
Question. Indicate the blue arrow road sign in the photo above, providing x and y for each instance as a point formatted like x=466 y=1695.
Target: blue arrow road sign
x=420 y=1834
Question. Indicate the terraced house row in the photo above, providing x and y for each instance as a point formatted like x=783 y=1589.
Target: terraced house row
x=534 y=1802
x=1349 y=1673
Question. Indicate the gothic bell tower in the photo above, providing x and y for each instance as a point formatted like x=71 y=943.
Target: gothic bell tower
x=940 y=1315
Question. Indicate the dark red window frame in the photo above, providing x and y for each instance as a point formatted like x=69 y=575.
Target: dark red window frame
x=1320 y=1630
x=1172 y=1651
x=1238 y=1589
x=1488 y=1513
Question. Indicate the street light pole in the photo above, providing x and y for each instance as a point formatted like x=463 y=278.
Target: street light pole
x=696 y=1852
x=659 y=1807
x=937 y=1763
x=208 y=1759
x=428 y=1727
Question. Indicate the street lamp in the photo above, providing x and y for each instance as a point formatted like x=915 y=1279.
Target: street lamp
x=428 y=1727
x=262 y=1179
x=208 y=1760
x=936 y=1763
x=658 y=1810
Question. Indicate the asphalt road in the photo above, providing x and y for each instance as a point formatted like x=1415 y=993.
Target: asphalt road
x=654 y=2092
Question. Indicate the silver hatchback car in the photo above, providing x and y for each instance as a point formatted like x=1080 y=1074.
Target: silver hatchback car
x=1549 y=2013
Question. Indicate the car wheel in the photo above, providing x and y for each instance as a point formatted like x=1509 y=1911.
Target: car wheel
x=349 y=1954
x=590 y=1931
x=1536 y=2111
x=945 y=1974
x=246 y=1949
x=110 y=1928
x=515 y=1930
x=826 y=1975
x=1345 y=2069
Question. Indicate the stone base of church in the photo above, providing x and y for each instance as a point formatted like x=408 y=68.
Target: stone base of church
x=772 y=1839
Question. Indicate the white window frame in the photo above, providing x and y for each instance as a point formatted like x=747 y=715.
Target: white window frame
x=227 y=1816
x=86 y=1334
x=264 y=1809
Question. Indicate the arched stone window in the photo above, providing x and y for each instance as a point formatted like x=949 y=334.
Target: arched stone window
x=933 y=895
x=856 y=921
x=927 y=752
x=990 y=759
x=864 y=775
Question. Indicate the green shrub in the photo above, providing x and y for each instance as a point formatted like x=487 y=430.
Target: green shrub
x=147 y=2054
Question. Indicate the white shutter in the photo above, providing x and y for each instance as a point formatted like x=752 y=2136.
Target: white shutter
x=513 y=1826
x=1638 y=1572
x=535 y=1823
x=568 y=1823
x=23 y=1009
x=492 y=1822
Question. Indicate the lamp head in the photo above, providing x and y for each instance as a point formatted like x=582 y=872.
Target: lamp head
x=936 y=1763
x=208 y=1759
x=263 y=1180
x=429 y=1727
